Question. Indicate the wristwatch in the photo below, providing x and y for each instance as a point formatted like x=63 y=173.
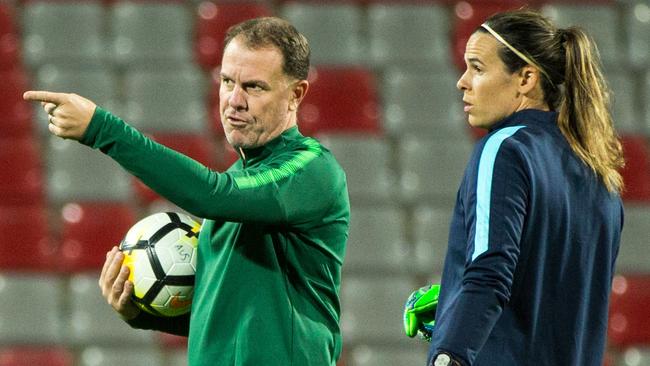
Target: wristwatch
x=444 y=359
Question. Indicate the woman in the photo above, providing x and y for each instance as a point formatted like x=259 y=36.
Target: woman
x=537 y=223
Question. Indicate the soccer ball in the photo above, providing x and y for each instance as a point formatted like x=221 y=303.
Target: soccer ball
x=160 y=251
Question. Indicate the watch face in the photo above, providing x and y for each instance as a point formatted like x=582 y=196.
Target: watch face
x=442 y=360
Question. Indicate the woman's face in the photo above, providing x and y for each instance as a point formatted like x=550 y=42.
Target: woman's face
x=490 y=91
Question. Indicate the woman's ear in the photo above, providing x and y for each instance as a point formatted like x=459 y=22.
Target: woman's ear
x=529 y=79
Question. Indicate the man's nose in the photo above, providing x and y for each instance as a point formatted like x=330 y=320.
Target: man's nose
x=237 y=98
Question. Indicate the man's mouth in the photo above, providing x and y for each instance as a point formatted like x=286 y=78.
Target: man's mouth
x=235 y=121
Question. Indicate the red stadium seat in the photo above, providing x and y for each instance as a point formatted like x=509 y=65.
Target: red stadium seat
x=213 y=103
x=9 y=43
x=476 y=132
x=468 y=16
x=540 y=3
x=629 y=323
x=636 y=174
x=16 y=113
x=213 y=20
x=340 y=100
x=33 y=355
x=171 y=341
x=24 y=234
x=89 y=230
x=21 y=178
x=197 y=147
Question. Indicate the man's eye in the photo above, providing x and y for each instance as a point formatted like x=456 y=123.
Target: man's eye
x=255 y=88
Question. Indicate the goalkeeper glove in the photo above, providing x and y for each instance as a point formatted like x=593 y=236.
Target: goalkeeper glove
x=420 y=312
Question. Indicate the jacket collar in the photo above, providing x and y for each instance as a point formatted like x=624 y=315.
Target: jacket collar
x=526 y=116
x=256 y=154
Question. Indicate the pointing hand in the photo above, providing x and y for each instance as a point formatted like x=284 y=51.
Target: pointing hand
x=68 y=114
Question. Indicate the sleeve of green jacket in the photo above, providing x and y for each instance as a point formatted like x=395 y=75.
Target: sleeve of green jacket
x=207 y=193
x=179 y=325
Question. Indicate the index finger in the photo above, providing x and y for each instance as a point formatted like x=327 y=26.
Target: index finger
x=107 y=264
x=44 y=96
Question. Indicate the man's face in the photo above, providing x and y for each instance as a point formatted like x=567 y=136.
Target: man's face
x=256 y=99
x=489 y=91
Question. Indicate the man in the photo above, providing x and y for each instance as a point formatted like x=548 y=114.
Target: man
x=273 y=240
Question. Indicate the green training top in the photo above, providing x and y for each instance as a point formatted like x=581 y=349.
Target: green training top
x=270 y=248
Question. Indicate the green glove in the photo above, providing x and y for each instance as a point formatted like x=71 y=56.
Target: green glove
x=420 y=312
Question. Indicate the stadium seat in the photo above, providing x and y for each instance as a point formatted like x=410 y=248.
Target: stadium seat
x=431 y=170
x=340 y=100
x=92 y=321
x=10 y=56
x=467 y=17
x=31 y=308
x=77 y=173
x=431 y=230
x=636 y=173
x=646 y=101
x=171 y=341
x=16 y=113
x=177 y=357
x=424 y=41
x=196 y=146
x=592 y=17
x=633 y=253
x=120 y=355
x=635 y=356
x=99 y=84
x=21 y=177
x=426 y=101
x=151 y=34
x=377 y=240
x=212 y=103
x=36 y=355
x=212 y=22
x=25 y=238
x=637 y=25
x=166 y=102
x=629 y=323
x=371 y=308
x=373 y=355
x=626 y=116
x=89 y=230
x=367 y=165
x=70 y=33
x=334 y=30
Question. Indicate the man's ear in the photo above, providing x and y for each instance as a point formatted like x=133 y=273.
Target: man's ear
x=298 y=92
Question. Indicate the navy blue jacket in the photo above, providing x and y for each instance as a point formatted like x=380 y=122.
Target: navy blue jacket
x=532 y=245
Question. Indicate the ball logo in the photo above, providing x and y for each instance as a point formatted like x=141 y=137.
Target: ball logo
x=182 y=253
x=177 y=302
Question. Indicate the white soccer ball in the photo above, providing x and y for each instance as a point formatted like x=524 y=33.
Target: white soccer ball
x=160 y=250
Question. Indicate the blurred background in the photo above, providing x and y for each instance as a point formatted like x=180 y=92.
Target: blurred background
x=382 y=98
